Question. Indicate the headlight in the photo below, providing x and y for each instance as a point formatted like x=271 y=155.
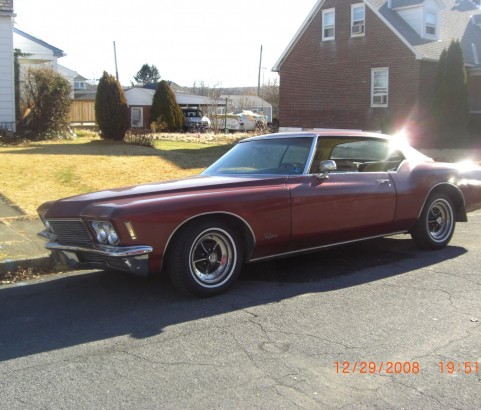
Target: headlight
x=47 y=225
x=105 y=233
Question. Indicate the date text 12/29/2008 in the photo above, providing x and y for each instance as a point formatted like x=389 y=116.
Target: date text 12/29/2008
x=407 y=367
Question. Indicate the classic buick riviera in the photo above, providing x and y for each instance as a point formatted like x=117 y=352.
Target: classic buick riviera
x=269 y=196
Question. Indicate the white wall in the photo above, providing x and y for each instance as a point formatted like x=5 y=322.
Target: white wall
x=139 y=96
x=414 y=17
x=7 y=92
x=38 y=54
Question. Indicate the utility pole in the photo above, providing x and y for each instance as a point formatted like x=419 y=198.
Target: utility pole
x=115 y=57
x=259 y=75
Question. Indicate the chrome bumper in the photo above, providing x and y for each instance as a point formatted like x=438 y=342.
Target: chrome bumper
x=132 y=259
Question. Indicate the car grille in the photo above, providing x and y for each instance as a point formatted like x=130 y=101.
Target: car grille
x=70 y=231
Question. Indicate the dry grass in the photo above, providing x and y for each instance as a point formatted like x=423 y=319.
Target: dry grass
x=33 y=173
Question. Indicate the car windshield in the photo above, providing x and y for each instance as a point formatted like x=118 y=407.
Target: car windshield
x=280 y=156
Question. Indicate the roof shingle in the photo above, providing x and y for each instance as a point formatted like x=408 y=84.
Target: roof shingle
x=6 y=6
x=457 y=22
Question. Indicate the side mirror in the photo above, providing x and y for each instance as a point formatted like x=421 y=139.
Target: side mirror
x=325 y=167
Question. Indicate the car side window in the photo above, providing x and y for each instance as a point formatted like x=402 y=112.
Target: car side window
x=357 y=155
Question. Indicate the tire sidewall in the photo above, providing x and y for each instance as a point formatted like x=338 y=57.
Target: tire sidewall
x=421 y=232
x=180 y=267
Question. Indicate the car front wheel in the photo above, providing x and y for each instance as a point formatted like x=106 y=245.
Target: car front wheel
x=435 y=227
x=205 y=259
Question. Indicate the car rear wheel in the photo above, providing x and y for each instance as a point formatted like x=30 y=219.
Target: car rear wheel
x=205 y=258
x=435 y=227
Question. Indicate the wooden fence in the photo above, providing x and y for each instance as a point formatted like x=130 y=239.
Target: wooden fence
x=82 y=111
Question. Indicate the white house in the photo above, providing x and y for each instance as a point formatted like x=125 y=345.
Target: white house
x=7 y=88
x=39 y=53
x=140 y=104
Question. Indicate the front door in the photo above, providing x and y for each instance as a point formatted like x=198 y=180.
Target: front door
x=344 y=207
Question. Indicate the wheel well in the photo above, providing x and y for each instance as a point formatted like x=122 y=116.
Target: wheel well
x=239 y=225
x=456 y=196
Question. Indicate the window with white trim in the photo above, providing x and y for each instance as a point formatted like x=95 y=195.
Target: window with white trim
x=136 y=117
x=328 y=24
x=379 y=87
x=358 y=20
x=430 y=24
x=79 y=85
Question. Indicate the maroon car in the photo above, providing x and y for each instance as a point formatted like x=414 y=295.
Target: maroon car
x=269 y=196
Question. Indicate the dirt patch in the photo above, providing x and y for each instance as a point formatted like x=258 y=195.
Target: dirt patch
x=203 y=138
x=24 y=274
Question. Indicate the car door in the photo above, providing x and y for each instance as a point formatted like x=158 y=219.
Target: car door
x=348 y=205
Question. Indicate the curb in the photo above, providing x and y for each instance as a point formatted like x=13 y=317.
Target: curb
x=44 y=263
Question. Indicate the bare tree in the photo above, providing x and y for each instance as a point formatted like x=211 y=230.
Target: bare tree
x=201 y=89
x=212 y=108
x=270 y=93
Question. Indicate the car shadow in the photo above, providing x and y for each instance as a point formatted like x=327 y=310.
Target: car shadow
x=89 y=307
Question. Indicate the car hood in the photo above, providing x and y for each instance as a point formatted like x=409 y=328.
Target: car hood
x=74 y=206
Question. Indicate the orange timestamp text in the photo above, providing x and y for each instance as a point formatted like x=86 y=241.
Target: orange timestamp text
x=389 y=367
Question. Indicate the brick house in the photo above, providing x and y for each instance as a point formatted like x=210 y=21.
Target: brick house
x=361 y=64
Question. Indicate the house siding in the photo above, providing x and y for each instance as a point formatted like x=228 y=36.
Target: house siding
x=328 y=84
x=414 y=17
x=7 y=93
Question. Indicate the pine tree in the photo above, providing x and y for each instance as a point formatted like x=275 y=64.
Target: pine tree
x=147 y=75
x=165 y=108
x=440 y=102
x=111 y=109
x=457 y=88
x=450 y=101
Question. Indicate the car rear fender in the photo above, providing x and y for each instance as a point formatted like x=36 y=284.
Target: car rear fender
x=456 y=196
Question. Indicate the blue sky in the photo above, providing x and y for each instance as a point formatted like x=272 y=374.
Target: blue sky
x=214 y=41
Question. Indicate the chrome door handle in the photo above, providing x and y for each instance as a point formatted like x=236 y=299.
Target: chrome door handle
x=384 y=181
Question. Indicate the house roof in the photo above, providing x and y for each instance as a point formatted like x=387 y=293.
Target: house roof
x=6 y=6
x=56 y=51
x=79 y=77
x=144 y=96
x=459 y=20
x=455 y=23
x=176 y=88
x=252 y=100
x=405 y=3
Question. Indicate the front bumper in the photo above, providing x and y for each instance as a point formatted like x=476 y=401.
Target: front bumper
x=132 y=259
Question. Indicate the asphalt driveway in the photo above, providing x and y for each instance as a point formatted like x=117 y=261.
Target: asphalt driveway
x=373 y=324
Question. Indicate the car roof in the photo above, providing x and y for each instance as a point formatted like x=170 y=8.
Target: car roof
x=322 y=134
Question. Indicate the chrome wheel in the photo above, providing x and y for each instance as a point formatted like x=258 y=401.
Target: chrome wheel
x=440 y=220
x=435 y=226
x=205 y=258
x=212 y=257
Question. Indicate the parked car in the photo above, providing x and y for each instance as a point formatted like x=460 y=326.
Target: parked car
x=270 y=196
x=194 y=118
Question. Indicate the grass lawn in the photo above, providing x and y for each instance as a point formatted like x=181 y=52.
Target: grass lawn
x=36 y=172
